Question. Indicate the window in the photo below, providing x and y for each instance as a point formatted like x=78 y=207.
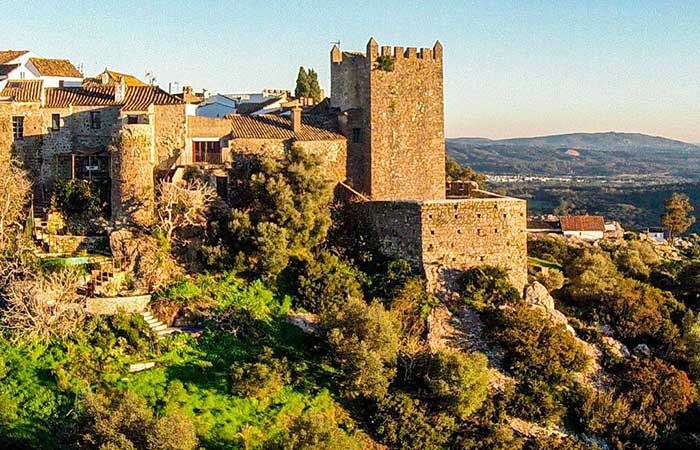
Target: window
x=132 y=120
x=207 y=152
x=95 y=120
x=357 y=135
x=21 y=75
x=18 y=127
x=55 y=122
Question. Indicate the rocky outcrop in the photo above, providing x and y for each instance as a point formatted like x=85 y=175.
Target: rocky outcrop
x=537 y=296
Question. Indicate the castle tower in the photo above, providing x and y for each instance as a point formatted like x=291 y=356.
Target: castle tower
x=391 y=103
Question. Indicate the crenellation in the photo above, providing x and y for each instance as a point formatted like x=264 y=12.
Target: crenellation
x=398 y=52
x=386 y=50
x=411 y=53
x=426 y=53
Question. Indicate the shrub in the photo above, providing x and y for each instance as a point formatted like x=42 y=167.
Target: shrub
x=316 y=431
x=552 y=279
x=385 y=63
x=364 y=342
x=488 y=286
x=263 y=378
x=326 y=283
x=403 y=423
x=460 y=380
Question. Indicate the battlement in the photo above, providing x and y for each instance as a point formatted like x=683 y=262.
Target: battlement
x=397 y=53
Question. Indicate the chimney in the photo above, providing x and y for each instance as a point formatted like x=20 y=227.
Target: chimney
x=296 y=119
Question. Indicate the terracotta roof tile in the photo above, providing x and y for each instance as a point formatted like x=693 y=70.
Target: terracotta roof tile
x=117 y=77
x=8 y=55
x=90 y=94
x=250 y=108
x=26 y=91
x=55 y=68
x=139 y=98
x=208 y=127
x=582 y=223
x=269 y=126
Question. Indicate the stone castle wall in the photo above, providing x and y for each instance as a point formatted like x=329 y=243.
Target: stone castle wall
x=407 y=126
x=394 y=120
x=133 y=194
x=457 y=234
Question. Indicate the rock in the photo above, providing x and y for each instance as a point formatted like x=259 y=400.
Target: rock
x=604 y=329
x=616 y=347
x=442 y=330
x=537 y=294
x=642 y=350
x=306 y=322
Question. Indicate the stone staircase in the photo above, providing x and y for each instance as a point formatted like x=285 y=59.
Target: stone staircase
x=159 y=328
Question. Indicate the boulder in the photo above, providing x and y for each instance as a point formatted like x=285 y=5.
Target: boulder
x=537 y=296
x=642 y=350
x=616 y=347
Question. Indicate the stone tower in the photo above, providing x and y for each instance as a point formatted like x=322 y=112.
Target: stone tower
x=391 y=100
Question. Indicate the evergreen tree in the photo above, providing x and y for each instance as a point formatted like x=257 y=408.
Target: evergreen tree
x=677 y=217
x=302 y=87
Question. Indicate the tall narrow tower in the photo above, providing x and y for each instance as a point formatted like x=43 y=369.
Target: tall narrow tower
x=391 y=101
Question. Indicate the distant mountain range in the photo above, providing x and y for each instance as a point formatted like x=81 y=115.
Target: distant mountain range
x=582 y=154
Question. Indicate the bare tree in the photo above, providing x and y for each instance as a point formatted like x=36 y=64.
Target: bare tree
x=182 y=205
x=46 y=307
x=15 y=188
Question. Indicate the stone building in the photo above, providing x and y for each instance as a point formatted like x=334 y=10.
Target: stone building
x=390 y=107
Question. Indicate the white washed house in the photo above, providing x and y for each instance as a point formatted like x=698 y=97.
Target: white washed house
x=26 y=65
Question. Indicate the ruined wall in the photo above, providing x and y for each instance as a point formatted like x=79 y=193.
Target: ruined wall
x=170 y=123
x=407 y=125
x=452 y=234
x=132 y=166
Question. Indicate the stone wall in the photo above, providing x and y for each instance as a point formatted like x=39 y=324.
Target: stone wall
x=170 y=122
x=407 y=126
x=440 y=235
x=394 y=120
x=133 y=193
x=113 y=305
x=71 y=245
x=28 y=149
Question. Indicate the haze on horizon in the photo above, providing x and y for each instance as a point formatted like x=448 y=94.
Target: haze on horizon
x=512 y=69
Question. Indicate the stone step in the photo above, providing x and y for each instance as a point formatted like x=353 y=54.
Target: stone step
x=167 y=331
x=159 y=327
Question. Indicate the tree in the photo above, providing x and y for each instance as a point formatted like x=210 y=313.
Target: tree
x=182 y=205
x=364 y=343
x=677 y=217
x=460 y=379
x=307 y=85
x=283 y=211
x=454 y=171
x=326 y=283
x=15 y=188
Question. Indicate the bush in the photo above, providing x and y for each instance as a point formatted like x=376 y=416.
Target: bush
x=263 y=378
x=403 y=423
x=460 y=380
x=487 y=287
x=552 y=279
x=364 y=343
x=326 y=283
x=316 y=431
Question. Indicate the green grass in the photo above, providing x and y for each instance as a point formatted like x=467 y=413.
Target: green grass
x=543 y=263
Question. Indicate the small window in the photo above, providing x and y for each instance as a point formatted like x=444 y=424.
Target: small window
x=55 y=122
x=357 y=135
x=22 y=75
x=131 y=120
x=18 y=127
x=95 y=120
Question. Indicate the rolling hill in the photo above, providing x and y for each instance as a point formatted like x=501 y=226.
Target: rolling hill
x=581 y=154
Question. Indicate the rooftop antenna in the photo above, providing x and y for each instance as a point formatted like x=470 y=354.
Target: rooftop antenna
x=336 y=43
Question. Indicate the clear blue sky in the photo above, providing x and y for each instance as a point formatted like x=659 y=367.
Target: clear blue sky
x=519 y=68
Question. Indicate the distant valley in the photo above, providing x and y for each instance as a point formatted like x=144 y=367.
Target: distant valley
x=623 y=176
x=580 y=154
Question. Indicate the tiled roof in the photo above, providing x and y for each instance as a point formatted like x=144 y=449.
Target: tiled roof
x=582 y=223
x=250 y=108
x=55 y=68
x=269 y=126
x=26 y=91
x=90 y=94
x=130 y=80
x=7 y=68
x=138 y=98
x=8 y=55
